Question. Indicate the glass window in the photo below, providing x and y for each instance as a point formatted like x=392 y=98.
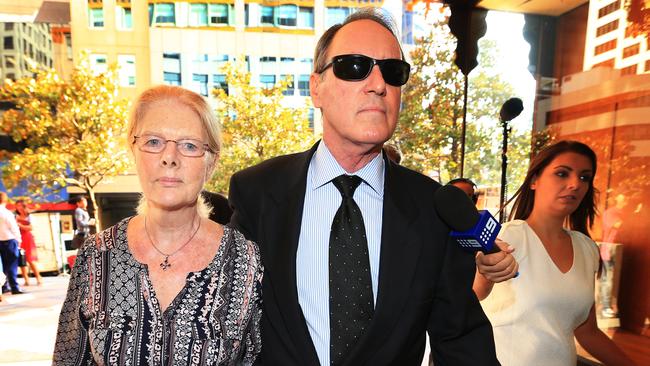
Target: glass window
x=220 y=58
x=200 y=84
x=219 y=14
x=303 y=85
x=124 y=17
x=631 y=50
x=608 y=9
x=11 y=75
x=246 y=15
x=172 y=78
x=10 y=62
x=267 y=15
x=200 y=57
x=336 y=16
x=9 y=26
x=289 y=91
x=68 y=45
x=96 y=17
x=126 y=65
x=287 y=15
x=611 y=26
x=219 y=81
x=306 y=18
x=164 y=13
x=607 y=46
x=198 y=15
x=267 y=59
x=98 y=63
x=310 y=117
x=630 y=70
x=217 y=62
x=267 y=81
x=172 y=68
x=9 y=43
x=172 y=62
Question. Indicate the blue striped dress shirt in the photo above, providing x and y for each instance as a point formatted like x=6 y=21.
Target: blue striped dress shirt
x=322 y=200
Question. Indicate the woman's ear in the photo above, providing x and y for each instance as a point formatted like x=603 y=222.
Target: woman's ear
x=533 y=183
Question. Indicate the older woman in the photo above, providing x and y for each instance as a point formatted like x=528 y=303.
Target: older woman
x=168 y=286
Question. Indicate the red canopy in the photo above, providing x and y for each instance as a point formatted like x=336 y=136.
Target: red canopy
x=46 y=206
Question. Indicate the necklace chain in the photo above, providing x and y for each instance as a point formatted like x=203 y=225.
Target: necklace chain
x=165 y=264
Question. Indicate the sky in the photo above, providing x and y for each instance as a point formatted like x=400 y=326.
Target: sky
x=506 y=30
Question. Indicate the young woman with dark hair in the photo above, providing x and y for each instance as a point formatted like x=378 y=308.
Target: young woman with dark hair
x=536 y=315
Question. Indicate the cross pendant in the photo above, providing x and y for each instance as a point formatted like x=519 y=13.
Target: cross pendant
x=164 y=265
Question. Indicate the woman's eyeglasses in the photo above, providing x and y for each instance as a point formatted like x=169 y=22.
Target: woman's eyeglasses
x=186 y=147
x=357 y=67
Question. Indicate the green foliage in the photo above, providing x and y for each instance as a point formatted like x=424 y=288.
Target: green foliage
x=256 y=125
x=430 y=125
x=73 y=130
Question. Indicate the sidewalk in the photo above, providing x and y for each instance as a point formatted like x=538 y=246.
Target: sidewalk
x=28 y=323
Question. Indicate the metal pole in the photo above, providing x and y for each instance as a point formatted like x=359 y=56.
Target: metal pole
x=504 y=169
x=464 y=129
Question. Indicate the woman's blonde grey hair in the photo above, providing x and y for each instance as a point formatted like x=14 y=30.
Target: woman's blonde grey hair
x=196 y=103
x=202 y=207
x=376 y=15
x=186 y=97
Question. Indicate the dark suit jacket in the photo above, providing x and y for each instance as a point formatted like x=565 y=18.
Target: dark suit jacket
x=425 y=279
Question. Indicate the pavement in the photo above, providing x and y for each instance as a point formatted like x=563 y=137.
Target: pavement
x=28 y=322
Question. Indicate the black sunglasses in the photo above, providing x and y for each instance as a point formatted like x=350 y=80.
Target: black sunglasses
x=357 y=67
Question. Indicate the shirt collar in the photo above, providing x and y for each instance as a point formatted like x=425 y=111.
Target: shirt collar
x=325 y=168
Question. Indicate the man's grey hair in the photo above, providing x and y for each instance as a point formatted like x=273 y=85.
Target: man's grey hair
x=376 y=15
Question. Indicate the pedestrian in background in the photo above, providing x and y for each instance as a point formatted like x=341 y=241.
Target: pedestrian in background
x=83 y=221
x=28 y=243
x=9 y=246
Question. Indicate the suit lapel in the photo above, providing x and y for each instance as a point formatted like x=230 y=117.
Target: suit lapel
x=283 y=230
x=397 y=263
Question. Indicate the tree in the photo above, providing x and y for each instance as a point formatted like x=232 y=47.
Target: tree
x=72 y=130
x=256 y=125
x=429 y=130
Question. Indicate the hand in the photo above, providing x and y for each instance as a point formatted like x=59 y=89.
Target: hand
x=499 y=266
x=91 y=222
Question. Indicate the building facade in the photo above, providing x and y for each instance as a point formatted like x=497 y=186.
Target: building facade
x=613 y=41
x=25 y=46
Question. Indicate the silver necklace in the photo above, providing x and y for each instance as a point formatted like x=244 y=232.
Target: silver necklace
x=165 y=264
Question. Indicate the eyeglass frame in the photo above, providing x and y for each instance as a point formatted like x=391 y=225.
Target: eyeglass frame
x=206 y=147
x=377 y=62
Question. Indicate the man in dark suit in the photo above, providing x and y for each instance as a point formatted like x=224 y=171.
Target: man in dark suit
x=388 y=273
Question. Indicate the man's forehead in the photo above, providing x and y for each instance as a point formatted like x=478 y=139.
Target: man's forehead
x=365 y=37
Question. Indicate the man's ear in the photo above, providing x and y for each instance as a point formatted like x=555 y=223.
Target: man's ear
x=314 y=83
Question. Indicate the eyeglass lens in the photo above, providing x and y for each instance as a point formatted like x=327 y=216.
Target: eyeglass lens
x=155 y=144
x=358 y=67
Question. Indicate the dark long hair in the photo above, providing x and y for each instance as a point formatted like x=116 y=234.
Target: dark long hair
x=582 y=219
x=21 y=201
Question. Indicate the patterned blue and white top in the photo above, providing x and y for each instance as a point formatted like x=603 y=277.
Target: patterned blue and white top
x=111 y=316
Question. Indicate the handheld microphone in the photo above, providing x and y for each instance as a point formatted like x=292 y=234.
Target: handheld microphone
x=474 y=230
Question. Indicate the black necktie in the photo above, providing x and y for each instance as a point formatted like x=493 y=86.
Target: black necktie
x=351 y=301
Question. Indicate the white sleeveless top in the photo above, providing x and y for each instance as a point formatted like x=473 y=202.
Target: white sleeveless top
x=534 y=315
